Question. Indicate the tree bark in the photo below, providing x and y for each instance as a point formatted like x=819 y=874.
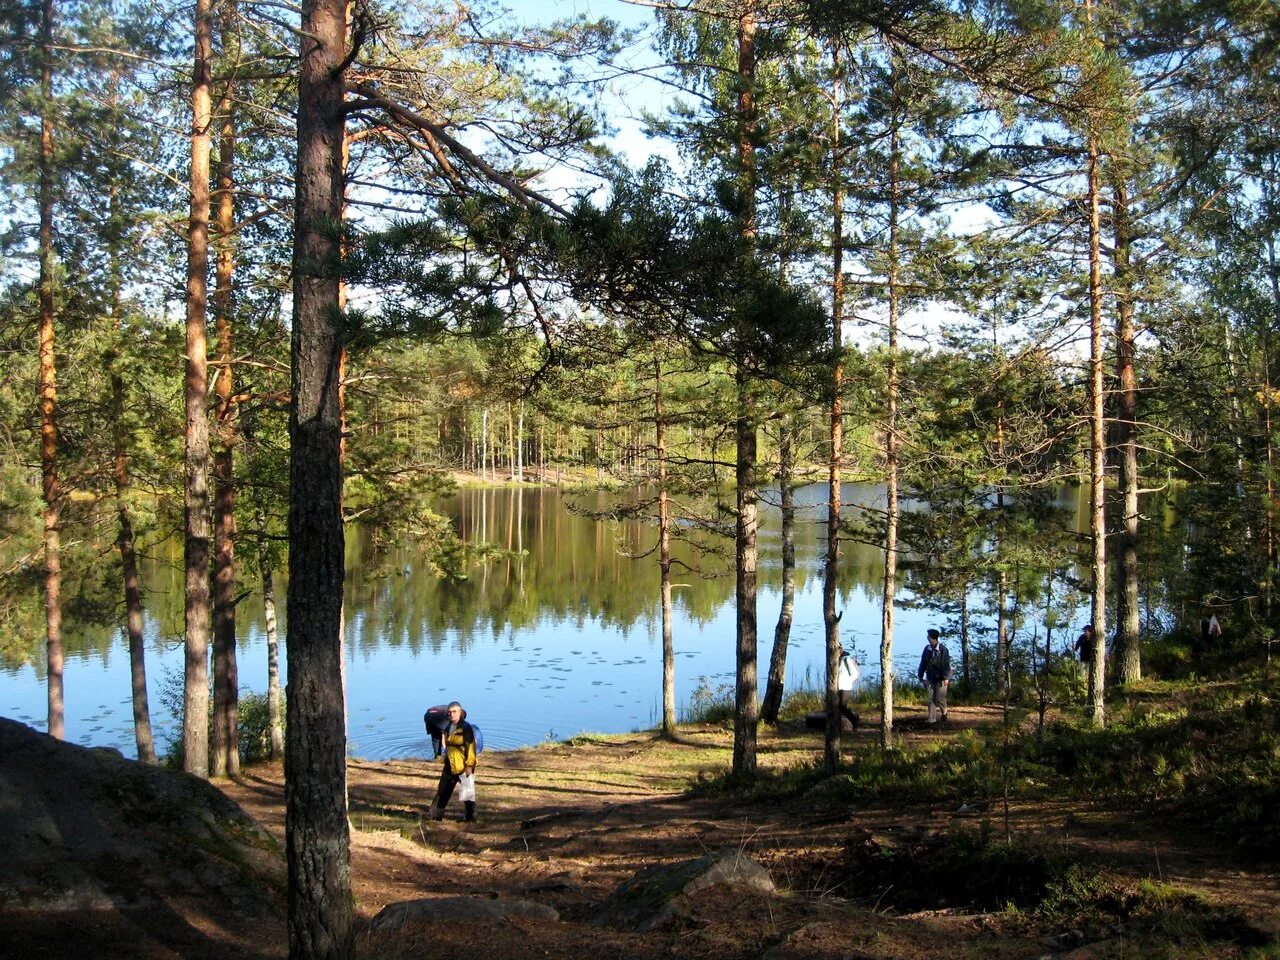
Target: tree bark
x=1003 y=676
x=782 y=631
x=49 y=394
x=891 y=448
x=830 y=567
x=664 y=557
x=143 y=738
x=1097 y=449
x=275 y=720
x=1128 y=610
x=195 y=719
x=225 y=759
x=746 y=707
x=317 y=838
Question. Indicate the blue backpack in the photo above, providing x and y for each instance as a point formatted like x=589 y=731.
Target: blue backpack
x=436 y=720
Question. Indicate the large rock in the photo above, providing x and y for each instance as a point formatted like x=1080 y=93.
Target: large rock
x=657 y=896
x=87 y=829
x=394 y=915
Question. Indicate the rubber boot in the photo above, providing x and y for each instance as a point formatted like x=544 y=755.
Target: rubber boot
x=469 y=808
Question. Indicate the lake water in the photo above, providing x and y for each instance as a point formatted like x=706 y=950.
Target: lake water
x=560 y=636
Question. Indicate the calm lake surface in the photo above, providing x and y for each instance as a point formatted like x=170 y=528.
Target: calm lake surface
x=561 y=634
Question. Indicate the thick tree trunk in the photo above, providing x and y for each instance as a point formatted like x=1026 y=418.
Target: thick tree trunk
x=195 y=718
x=1128 y=610
x=49 y=394
x=1097 y=450
x=664 y=557
x=830 y=567
x=746 y=706
x=225 y=759
x=782 y=631
x=317 y=839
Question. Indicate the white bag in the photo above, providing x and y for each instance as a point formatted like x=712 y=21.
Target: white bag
x=467 y=787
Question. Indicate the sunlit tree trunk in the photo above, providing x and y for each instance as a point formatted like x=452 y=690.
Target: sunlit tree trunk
x=225 y=757
x=1128 y=610
x=786 y=613
x=1097 y=448
x=49 y=393
x=746 y=707
x=143 y=738
x=317 y=839
x=664 y=556
x=275 y=719
x=830 y=617
x=195 y=718
x=891 y=449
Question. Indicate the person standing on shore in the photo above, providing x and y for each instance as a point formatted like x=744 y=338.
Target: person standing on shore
x=459 y=765
x=847 y=677
x=935 y=674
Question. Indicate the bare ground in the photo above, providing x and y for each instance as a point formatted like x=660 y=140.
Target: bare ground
x=565 y=824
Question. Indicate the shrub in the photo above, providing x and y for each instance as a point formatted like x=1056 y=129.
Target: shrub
x=708 y=705
x=253 y=726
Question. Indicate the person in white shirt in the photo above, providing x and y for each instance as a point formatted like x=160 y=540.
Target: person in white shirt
x=846 y=677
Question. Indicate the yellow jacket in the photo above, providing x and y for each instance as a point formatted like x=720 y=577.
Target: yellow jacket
x=460 y=748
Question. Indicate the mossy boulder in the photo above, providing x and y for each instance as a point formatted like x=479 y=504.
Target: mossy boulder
x=87 y=829
x=658 y=896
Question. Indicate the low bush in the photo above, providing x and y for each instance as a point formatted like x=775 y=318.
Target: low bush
x=709 y=704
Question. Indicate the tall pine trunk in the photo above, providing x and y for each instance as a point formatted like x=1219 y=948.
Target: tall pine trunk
x=275 y=720
x=1128 y=610
x=49 y=393
x=1097 y=448
x=142 y=734
x=1003 y=675
x=317 y=839
x=891 y=448
x=664 y=556
x=830 y=617
x=782 y=630
x=225 y=759
x=195 y=717
x=746 y=707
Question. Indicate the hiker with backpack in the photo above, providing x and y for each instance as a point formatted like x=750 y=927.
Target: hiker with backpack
x=457 y=743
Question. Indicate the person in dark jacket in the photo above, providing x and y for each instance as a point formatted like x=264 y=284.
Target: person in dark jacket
x=459 y=761
x=1084 y=644
x=935 y=674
